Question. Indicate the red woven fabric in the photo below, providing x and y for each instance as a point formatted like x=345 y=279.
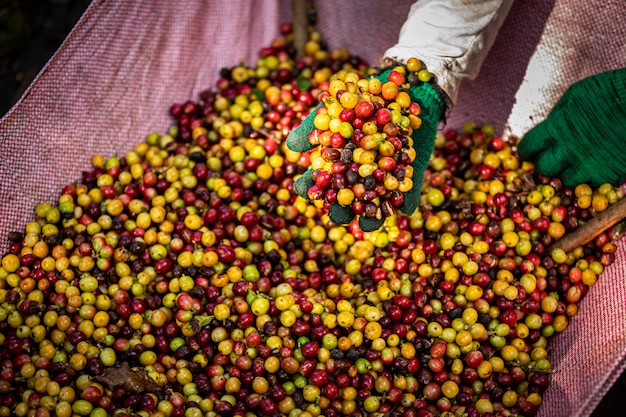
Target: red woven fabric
x=114 y=78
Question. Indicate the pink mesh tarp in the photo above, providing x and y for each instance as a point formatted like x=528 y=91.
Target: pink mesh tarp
x=114 y=78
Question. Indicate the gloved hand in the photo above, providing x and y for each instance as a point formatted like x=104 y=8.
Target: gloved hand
x=432 y=109
x=584 y=137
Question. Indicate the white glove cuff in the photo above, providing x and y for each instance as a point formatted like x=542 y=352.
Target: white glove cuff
x=451 y=37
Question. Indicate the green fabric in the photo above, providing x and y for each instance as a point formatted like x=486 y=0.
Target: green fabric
x=432 y=106
x=303 y=183
x=298 y=139
x=583 y=140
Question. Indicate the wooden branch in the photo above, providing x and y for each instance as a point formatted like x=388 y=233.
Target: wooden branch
x=300 y=25
x=592 y=228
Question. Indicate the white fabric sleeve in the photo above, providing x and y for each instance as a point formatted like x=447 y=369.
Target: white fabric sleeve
x=451 y=37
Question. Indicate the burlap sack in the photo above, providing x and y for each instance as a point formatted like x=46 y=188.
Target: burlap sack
x=114 y=78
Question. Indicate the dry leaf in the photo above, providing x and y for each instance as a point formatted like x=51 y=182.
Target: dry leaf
x=132 y=380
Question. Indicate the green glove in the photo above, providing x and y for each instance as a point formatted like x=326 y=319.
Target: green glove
x=432 y=109
x=584 y=137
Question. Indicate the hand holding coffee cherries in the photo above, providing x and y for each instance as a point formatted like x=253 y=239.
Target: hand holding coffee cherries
x=583 y=138
x=372 y=141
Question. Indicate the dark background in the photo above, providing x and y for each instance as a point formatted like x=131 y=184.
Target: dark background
x=30 y=33
x=32 y=30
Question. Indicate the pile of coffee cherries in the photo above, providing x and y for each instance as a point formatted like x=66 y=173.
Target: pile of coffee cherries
x=365 y=148
x=187 y=278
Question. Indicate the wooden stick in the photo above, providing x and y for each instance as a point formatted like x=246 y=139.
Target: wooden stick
x=591 y=229
x=300 y=25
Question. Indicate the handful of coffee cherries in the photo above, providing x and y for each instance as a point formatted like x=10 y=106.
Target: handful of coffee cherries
x=365 y=161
